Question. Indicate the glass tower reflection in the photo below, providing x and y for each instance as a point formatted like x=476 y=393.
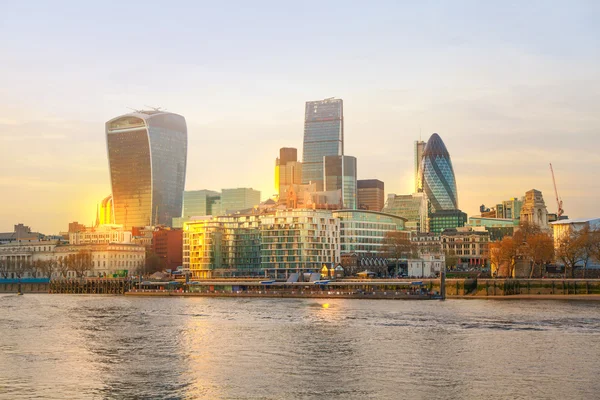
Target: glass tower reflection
x=147 y=155
x=323 y=136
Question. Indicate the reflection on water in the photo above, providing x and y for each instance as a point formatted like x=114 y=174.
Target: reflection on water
x=62 y=347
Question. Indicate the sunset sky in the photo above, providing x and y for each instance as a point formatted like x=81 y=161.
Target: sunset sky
x=509 y=86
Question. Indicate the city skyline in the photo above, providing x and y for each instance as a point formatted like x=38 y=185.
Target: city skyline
x=507 y=102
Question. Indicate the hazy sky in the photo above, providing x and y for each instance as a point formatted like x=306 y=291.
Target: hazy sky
x=509 y=86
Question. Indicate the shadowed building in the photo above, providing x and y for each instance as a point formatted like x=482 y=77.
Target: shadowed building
x=370 y=194
x=323 y=136
x=147 y=154
x=419 y=149
x=340 y=174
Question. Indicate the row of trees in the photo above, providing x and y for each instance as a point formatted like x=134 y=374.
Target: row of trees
x=537 y=248
x=79 y=263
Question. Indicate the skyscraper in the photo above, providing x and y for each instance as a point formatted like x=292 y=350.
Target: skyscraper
x=436 y=176
x=323 y=136
x=419 y=148
x=147 y=155
x=340 y=174
x=233 y=200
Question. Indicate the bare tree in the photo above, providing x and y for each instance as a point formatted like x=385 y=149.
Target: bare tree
x=62 y=265
x=48 y=268
x=397 y=245
x=80 y=262
x=21 y=267
x=5 y=267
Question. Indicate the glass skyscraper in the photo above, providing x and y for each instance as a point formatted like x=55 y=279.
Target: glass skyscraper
x=147 y=155
x=323 y=136
x=436 y=176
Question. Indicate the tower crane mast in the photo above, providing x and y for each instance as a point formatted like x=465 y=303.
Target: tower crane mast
x=558 y=200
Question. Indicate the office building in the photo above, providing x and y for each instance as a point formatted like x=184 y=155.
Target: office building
x=340 y=174
x=419 y=149
x=147 y=154
x=234 y=200
x=288 y=172
x=323 y=136
x=407 y=206
x=370 y=194
x=470 y=246
x=362 y=232
x=437 y=176
x=446 y=219
x=76 y=227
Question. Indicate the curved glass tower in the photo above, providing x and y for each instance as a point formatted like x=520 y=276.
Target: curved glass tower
x=147 y=155
x=436 y=176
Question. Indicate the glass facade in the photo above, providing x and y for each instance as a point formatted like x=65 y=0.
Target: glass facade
x=419 y=148
x=437 y=176
x=340 y=174
x=147 y=154
x=233 y=200
x=323 y=136
x=446 y=219
x=407 y=206
x=199 y=202
x=362 y=232
x=222 y=246
x=299 y=240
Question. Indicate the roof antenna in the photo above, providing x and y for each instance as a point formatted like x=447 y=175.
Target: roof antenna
x=133 y=109
x=155 y=108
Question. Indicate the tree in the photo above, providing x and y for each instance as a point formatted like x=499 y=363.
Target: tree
x=539 y=250
x=62 y=266
x=397 y=245
x=509 y=253
x=594 y=246
x=21 y=267
x=5 y=267
x=451 y=259
x=80 y=262
x=570 y=251
x=48 y=268
x=153 y=264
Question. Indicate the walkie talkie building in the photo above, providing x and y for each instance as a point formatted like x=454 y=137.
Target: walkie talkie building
x=147 y=156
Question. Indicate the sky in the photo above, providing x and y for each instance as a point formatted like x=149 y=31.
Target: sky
x=509 y=86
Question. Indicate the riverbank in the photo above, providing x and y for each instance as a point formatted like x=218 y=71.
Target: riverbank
x=583 y=297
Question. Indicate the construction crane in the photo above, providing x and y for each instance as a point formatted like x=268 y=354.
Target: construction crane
x=558 y=200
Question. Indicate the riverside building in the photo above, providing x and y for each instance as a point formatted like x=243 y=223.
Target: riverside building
x=362 y=232
x=147 y=155
x=222 y=246
x=299 y=240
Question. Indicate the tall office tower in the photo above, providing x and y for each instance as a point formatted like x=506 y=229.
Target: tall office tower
x=340 y=174
x=288 y=172
x=323 y=136
x=370 y=194
x=419 y=149
x=147 y=155
x=233 y=200
x=437 y=176
x=197 y=203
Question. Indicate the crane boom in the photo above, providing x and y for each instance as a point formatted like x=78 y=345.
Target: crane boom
x=558 y=200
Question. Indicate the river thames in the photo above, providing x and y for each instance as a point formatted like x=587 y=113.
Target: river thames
x=78 y=347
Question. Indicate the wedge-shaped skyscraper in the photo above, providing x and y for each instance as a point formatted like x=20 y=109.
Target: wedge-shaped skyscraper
x=436 y=176
x=147 y=155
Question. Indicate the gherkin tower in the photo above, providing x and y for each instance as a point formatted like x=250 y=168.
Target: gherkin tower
x=436 y=176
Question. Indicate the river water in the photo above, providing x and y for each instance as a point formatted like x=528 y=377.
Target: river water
x=78 y=347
